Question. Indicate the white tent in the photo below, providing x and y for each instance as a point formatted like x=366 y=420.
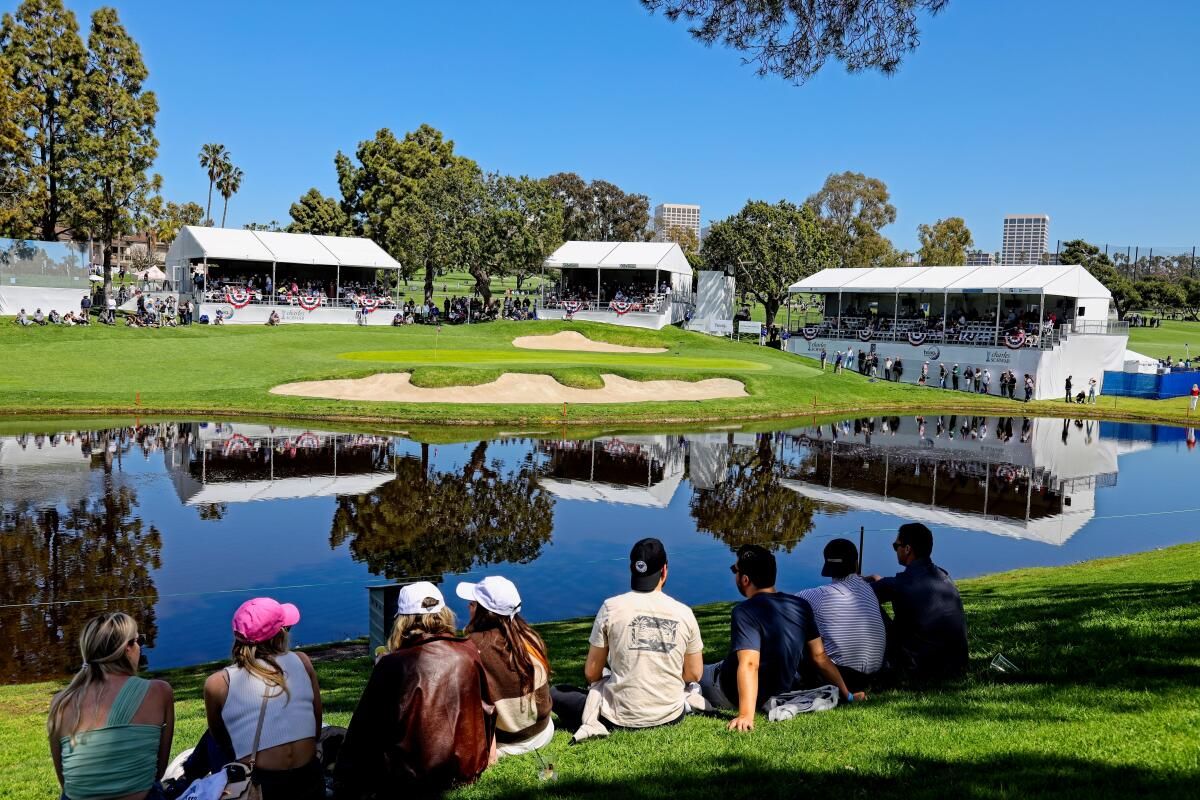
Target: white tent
x=194 y=243
x=1060 y=280
x=152 y=274
x=662 y=256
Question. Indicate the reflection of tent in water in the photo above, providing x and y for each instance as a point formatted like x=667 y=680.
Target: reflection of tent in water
x=234 y=463
x=44 y=469
x=1040 y=484
x=630 y=470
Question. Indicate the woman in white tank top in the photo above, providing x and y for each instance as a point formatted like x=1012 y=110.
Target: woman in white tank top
x=285 y=765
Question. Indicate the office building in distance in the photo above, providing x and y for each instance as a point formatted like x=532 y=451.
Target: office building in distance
x=675 y=215
x=980 y=258
x=1026 y=239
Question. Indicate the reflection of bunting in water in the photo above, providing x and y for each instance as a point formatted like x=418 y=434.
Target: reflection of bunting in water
x=656 y=634
x=235 y=444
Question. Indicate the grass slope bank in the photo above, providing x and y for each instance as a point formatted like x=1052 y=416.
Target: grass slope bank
x=1107 y=703
x=204 y=370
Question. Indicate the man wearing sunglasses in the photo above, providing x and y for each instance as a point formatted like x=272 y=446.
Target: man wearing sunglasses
x=928 y=637
x=771 y=635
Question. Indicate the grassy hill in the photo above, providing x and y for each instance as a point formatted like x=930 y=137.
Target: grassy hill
x=1107 y=703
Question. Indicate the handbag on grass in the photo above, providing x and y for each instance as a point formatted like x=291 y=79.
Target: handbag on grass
x=234 y=780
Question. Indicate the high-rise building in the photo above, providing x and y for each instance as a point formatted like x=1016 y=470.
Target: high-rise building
x=1026 y=238
x=675 y=215
x=980 y=258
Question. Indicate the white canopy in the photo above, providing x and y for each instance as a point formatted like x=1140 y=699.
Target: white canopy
x=234 y=244
x=1061 y=280
x=152 y=273
x=663 y=256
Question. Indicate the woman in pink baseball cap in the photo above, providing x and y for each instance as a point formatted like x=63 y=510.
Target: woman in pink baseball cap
x=265 y=709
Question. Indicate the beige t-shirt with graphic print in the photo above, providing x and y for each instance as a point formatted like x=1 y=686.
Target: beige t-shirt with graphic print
x=647 y=635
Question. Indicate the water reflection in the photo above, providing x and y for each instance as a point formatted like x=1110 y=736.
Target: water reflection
x=218 y=512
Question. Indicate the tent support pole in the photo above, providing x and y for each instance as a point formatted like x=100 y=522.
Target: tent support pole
x=1041 y=318
x=337 y=285
x=896 y=316
x=597 y=287
x=839 y=317
x=945 y=311
x=274 y=285
x=996 y=336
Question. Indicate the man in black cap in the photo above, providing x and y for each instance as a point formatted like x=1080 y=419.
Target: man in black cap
x=651 y=645
x=848 y=615
x=770 y=635
x=928 y=637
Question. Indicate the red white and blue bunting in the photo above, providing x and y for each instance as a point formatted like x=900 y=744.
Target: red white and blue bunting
x=1014 y=341
x=368 y=304
x=309 y=302
x=238 y=298
x=572 y=306
x=809 y=333
x=621 y=306
x=865 y=334
x=917 y=338
x=236 y=445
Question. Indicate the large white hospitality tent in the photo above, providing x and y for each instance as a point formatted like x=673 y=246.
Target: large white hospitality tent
x=301 y=255
x=1070 y=291
x=587 y=265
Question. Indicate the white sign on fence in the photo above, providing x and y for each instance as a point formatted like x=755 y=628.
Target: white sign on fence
x=721 y=327
x=750 y=327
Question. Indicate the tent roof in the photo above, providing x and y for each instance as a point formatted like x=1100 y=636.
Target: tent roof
x=285 y=488
x=656 y=496
x=1065 y=280
x=195 y=242
x=665 y=256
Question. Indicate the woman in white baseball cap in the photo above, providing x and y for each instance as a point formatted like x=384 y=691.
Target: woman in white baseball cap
x=421 y=725
x=515 y=663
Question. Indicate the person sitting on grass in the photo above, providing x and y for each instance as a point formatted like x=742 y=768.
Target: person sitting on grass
x=769 y=634
x=927 y=640
x=111 y=731
x=848 y=616
x=423 y=723
x=55 y=318
x=219 y=319
x=515 y=662
x=39 y=317
x=273 y=319
x=22 y=319
x=651 y=644
x=271 y=686
x=69 y=319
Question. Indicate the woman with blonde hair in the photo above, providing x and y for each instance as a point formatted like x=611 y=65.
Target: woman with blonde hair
x=265 y=708
x=424 y=723
x=515 y=662
x=111 y=731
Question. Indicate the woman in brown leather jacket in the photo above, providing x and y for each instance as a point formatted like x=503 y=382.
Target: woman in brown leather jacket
x=424 y=723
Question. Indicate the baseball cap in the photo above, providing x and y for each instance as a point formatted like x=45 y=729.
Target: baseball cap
x=841 y=558
x=413 y=596
x=262 y=618
x=646 y=560
x=498 y=595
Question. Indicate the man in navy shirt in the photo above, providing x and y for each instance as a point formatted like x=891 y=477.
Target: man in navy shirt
x=928 y=637
x=769 y=635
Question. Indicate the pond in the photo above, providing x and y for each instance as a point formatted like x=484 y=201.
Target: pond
x=180 y=522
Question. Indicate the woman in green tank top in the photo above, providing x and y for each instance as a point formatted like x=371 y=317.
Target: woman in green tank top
x=111 y=731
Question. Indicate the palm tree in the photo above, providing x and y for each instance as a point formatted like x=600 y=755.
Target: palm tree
x=214 y=158
x=228 y=184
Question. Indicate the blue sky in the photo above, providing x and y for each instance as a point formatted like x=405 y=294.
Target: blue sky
x=1086 y=110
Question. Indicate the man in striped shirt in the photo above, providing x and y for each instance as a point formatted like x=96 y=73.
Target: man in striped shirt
x=848 y=616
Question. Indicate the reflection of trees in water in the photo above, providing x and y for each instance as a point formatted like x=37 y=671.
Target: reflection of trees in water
x=92 y=550
x=212 y=511
x=429 y=523
x=750 y=506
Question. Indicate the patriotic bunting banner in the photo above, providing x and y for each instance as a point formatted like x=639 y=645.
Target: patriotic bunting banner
x=307 y=441
x=571 y=306
x=865 y=335
x=809 y=333
x=309 y=302
x=238 y=298
x=621 y=306
x=917 y=338
x=1014 y=341
x=236 y=444
x=368 y=304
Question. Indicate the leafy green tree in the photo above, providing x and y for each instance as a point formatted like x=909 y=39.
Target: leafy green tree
x=523 y=224
x=794 y=38
x=214 y=159
x=856 y=208
x=316 y=213
x=1160 y=294
x=600 y=211
x=1126 y=295
x=14 y=159
x=47 y=62
x=770 y=247
x=273 y=225
x=750 y=506
x=1191 y=297
x=228 y=185
x=116 y=134
x=945 y=242
x=414 y=197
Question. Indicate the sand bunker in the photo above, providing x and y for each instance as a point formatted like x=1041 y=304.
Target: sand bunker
x=573 y=340
x=512 y=388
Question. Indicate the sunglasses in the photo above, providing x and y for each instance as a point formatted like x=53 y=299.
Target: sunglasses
x=897 y=545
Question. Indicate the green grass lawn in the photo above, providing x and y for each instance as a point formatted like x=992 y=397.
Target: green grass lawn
x=230 y=370
x=1107 y=703
x=1169 y=339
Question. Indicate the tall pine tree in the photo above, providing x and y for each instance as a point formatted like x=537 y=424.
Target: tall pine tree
x=46 y=60
x=116 y=134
